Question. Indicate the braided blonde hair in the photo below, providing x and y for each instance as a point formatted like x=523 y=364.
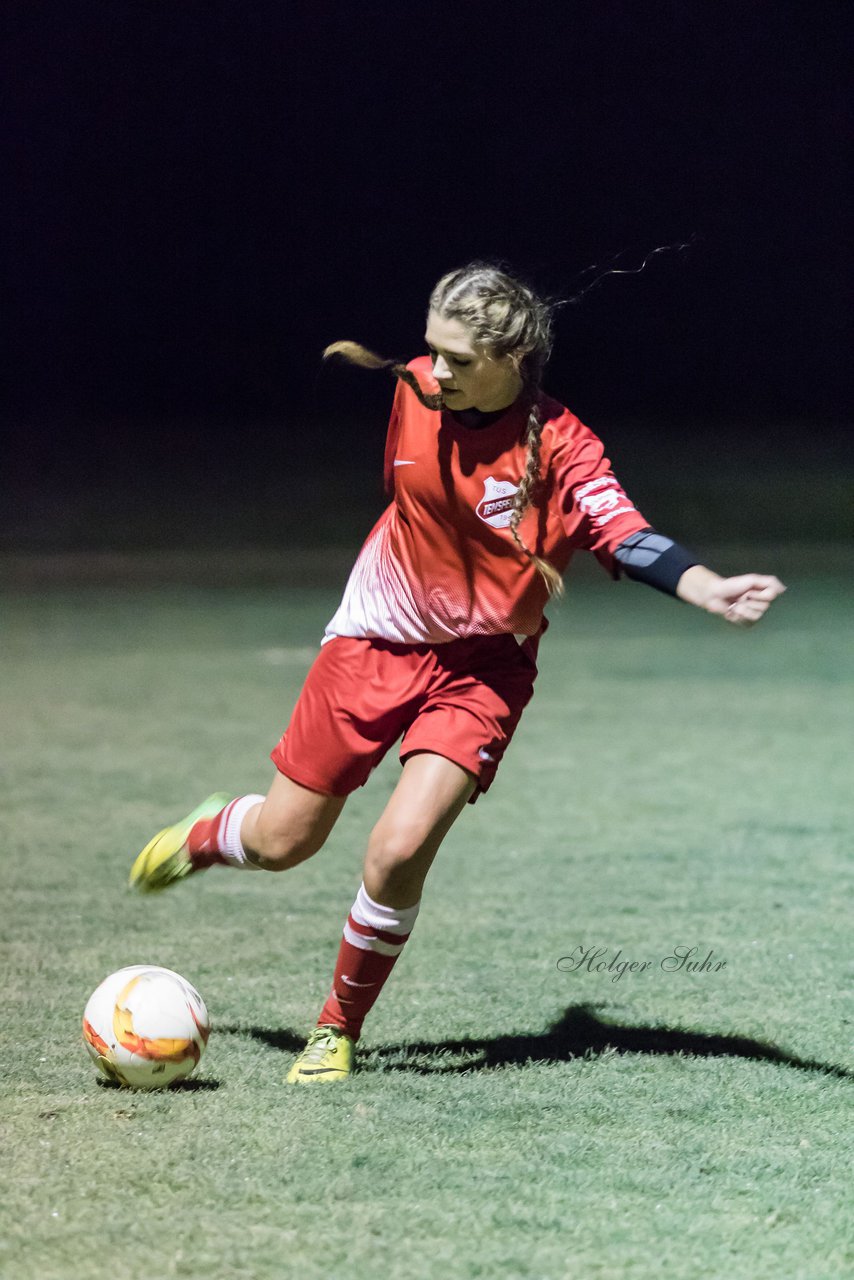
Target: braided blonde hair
x=507 y=317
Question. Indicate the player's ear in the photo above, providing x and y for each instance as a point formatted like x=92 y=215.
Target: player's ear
x=517 y=358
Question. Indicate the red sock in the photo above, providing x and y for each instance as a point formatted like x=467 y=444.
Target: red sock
x=374 y=937
x=217 y=839
x=202 y=842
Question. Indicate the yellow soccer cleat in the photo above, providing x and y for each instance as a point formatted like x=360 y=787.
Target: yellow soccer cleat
x=166 y=859
x=327 y=1056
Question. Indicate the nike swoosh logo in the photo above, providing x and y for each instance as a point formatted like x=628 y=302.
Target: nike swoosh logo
x=402 y=462
x=351 y=983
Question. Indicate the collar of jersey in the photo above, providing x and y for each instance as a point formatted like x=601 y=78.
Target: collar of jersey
x=512 y=413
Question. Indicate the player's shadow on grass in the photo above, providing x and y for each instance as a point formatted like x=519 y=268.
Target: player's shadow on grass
x=582 y=1033
x=579 y=1033
x=204 y=1085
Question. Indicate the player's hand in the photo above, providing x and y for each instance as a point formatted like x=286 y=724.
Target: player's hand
x=743 y=600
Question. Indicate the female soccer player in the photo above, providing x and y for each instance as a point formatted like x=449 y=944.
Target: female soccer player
x=493 y=486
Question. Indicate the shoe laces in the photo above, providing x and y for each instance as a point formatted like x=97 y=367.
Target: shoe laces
x=321 y=1041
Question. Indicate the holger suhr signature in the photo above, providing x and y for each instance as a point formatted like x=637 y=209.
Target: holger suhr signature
x=681 y=959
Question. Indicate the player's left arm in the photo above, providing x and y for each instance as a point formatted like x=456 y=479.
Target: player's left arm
x=651 y=557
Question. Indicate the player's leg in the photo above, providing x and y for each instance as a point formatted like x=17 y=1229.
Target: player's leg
x=322 y=756
x=291 y=824
x=451 y=751
x=431 y=794
x=271 y=833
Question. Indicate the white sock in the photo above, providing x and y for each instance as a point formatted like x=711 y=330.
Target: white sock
x=230 y=844
x=394 y=920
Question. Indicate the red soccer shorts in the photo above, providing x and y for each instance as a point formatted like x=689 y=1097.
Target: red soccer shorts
x=461 y=700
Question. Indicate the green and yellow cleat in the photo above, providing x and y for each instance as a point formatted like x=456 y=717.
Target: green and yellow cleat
x=327 y=1056
x=166 y=859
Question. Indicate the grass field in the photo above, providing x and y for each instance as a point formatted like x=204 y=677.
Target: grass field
x=675 y=783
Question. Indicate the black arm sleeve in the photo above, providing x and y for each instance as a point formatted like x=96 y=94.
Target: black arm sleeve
x=650 y=557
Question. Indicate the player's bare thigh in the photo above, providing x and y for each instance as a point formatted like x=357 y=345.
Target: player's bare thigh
x=290 y=826
x=430 y=795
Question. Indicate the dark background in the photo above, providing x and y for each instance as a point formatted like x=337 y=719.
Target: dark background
x=204 y=194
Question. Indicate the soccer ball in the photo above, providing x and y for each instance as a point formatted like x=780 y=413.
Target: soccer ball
x=145 y=1027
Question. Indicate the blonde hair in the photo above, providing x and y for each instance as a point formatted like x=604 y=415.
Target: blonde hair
x=504 y=315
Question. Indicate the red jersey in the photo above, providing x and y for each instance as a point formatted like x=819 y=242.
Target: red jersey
x=441 y=562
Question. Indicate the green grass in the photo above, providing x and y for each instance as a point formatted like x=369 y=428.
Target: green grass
x=674 y=782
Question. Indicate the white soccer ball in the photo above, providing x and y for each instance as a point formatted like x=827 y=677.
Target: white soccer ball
x=145 y=1027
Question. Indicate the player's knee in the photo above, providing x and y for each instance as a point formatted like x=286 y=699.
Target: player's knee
x=394 y=845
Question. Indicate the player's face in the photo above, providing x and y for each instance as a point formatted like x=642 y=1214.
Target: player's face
x=469 y=375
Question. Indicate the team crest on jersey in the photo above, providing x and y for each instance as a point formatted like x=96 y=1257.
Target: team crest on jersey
x=496 y=506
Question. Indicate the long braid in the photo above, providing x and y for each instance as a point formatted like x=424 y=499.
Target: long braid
x=526 y=494
x=355 y=353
